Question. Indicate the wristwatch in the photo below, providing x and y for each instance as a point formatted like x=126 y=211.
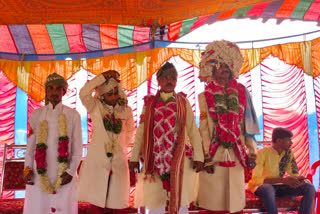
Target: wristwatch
x=251 y=164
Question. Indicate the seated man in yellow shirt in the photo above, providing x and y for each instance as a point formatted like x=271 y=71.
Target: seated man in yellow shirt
x=268 y=180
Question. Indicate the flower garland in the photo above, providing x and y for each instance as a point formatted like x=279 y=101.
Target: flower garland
x=165 y=138
x=41 y=152
x=165 y=179
x=112 y=124
x=122 y=101
x=226 y=110
x=111 y=148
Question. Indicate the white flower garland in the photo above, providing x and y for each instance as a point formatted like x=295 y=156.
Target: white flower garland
x=62 y=166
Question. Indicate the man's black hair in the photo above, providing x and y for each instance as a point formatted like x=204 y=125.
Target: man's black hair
x=281 y=133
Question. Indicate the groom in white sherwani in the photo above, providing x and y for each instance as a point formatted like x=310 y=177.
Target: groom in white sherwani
x=54 y=151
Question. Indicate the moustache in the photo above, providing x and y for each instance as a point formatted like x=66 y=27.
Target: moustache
x=169 y=84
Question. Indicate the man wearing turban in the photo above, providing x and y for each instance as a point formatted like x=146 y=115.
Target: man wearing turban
x=227 y=125
x=54 y=151
x=169 y=143
x=104 y=175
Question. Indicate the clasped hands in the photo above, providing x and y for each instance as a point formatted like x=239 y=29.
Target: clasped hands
x=66 y=178
x=209 y=165
x=294 y=181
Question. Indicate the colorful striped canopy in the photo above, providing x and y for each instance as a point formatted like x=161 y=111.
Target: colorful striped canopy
x=281 y=9
x=119 y=12
x=68 y=38
x=138 y=63
x=72 y=38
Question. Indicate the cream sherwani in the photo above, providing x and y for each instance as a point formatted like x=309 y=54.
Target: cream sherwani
x=150 y=193
x=94 y=174
x=64 y=201
x=225 y=188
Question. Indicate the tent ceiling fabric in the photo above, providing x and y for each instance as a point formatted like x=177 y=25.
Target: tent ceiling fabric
x=140 y=62
x=107 y=46
x=73 y=38
x=68 y=38
x=119 y=12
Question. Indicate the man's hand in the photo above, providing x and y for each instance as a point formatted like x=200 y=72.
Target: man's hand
x=208 y=165
x=28 y=179
x=293 y=181
x=110 y=73
x=134 y=167
x=197 y=165
x=209 y=169
x=303 y=179
x=66 y=178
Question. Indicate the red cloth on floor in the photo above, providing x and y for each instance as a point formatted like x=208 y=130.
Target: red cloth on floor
x=99 y=210
x=219 y=212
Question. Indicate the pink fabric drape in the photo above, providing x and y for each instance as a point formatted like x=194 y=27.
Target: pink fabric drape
x=284 y=104
x=7 y=111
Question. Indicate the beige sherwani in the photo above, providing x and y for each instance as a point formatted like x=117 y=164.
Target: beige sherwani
x=150 y=193
x=94 y=174
x=225 y=188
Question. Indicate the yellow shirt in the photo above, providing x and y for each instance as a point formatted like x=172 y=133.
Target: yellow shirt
x=272 y=165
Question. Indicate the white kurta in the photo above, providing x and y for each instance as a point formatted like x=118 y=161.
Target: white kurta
x=224 y=190
x=64 y=202
x=151 y=193
x=94 y=174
